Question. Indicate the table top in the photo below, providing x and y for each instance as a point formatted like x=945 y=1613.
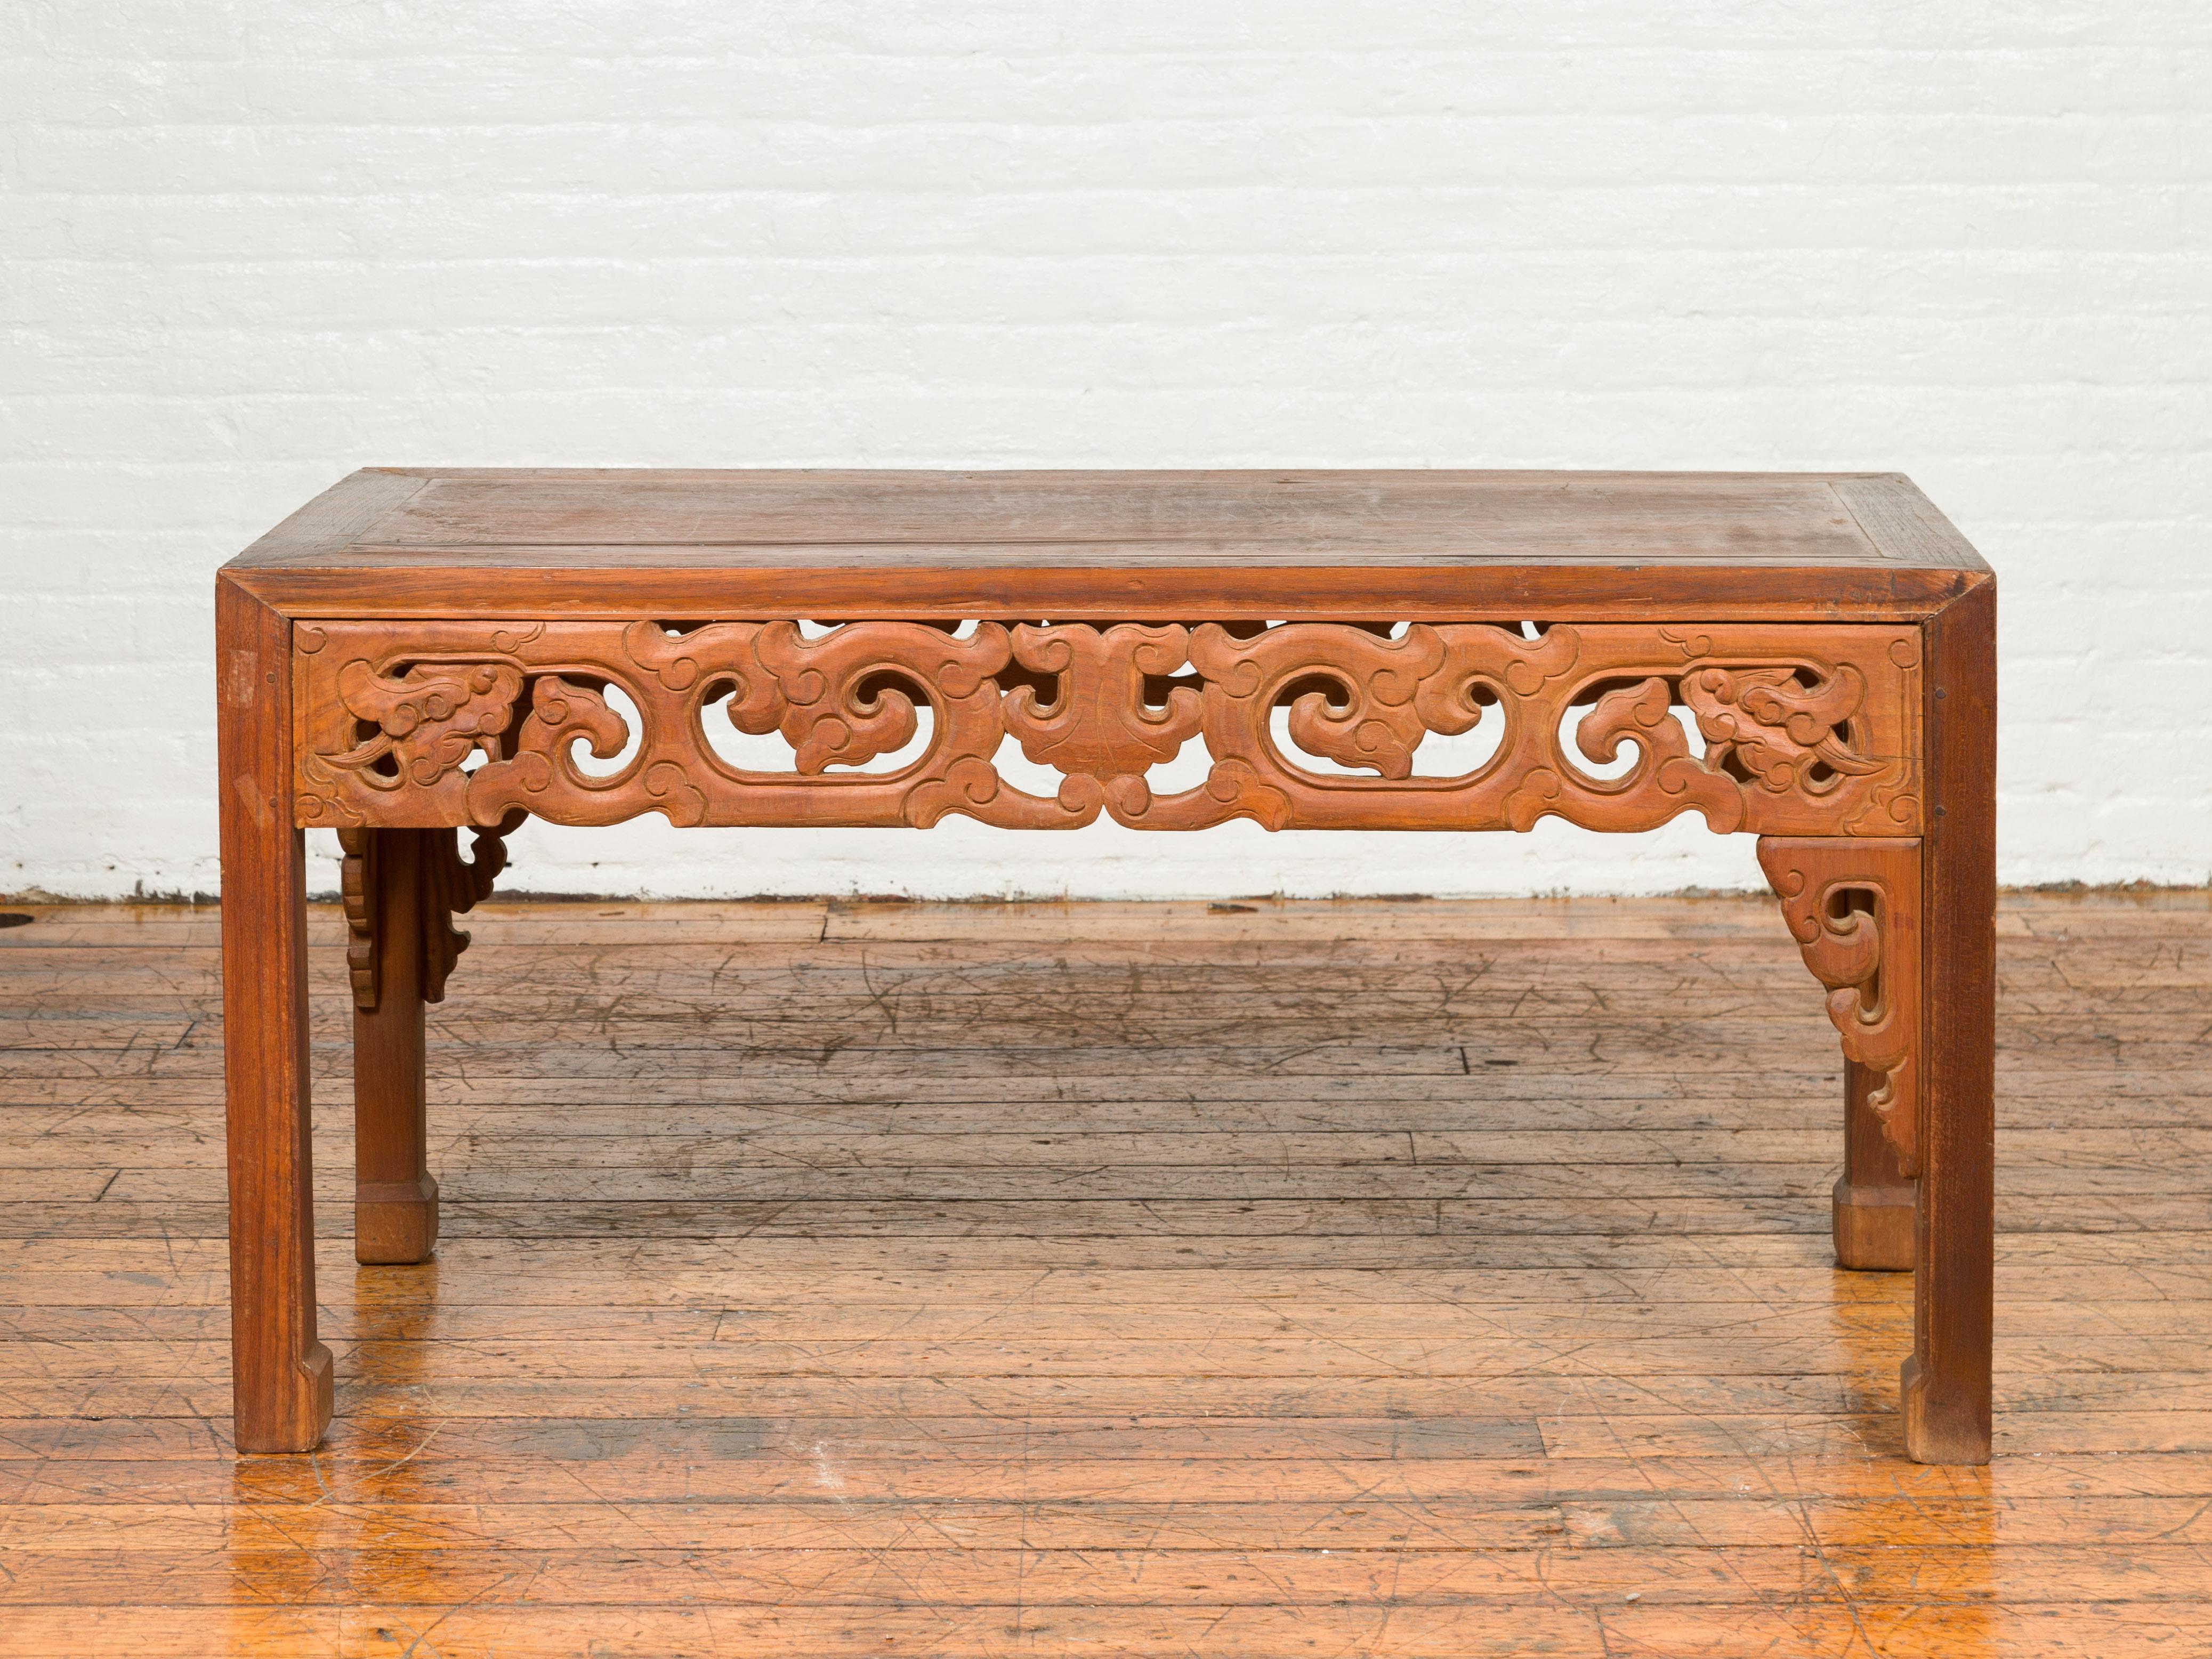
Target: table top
x=434 y=541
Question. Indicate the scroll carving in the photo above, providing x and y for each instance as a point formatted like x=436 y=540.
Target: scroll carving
x=453 y=888
x=1806 y=731
x=357 y=874
x=1099 y=729
x=448 y=886
x=418 y=726
x=1853 y=905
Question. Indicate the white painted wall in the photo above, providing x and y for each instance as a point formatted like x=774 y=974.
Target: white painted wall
x=249 y=245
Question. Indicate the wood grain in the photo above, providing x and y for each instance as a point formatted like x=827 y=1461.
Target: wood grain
x=1460 y=546
x=737 y=1343
x=638 y=517
x=390 y=928
x=1946 y=1381
x=282 y=1371
x=1873 y=1202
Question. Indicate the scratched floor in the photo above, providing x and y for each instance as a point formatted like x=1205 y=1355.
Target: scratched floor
x=1390 y=1279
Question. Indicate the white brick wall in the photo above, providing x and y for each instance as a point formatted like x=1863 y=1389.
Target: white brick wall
x=248 y=246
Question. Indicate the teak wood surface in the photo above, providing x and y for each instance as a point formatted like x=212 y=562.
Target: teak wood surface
x=1807 y=659
x=1257 y=1279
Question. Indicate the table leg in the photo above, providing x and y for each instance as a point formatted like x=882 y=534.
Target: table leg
x=279 y=1372
x=1947 y=1380
x=395 y=1196
x=1874 y=1196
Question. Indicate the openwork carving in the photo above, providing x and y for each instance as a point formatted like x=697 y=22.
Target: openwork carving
x=425 y=722
x=1099 y=728
x=446 y=886
x=1779 y=730
x=1853 y=905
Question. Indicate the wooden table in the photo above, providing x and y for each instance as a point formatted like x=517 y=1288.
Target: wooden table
x=1809 y=659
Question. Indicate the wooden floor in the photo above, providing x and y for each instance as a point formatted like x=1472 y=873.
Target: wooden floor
x=1391 y=1278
